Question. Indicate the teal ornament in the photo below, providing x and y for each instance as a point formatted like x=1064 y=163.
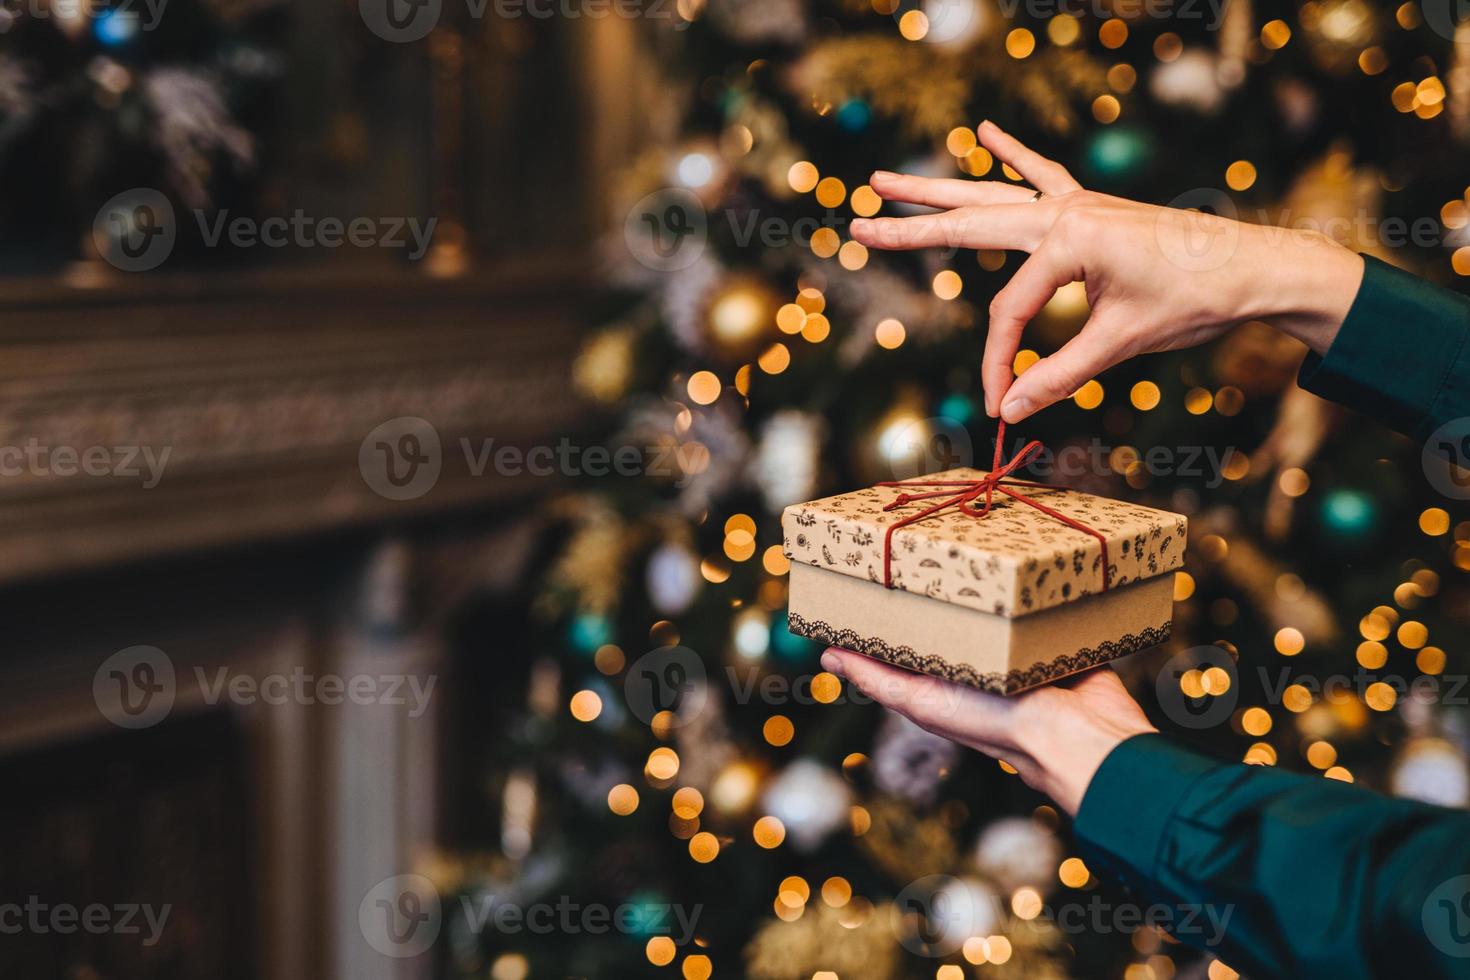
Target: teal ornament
x=588 y=631
x=1349 y=513
x=1118 y=152
x=854 y=115
x=788 y=645
x=959 y=409
x=646 y=914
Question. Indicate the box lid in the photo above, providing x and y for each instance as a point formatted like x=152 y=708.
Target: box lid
x=1015 y=561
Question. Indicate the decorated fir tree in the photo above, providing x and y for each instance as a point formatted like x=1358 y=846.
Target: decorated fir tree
x=766 y=359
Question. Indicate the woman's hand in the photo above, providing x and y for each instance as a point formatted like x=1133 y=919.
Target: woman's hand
x=1157 y=278
x=1055 y=736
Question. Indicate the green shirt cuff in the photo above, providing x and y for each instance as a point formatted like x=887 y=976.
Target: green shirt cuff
x=1126 y=811
x=1402 y=354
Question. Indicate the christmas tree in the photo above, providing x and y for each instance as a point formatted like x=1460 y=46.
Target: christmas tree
x=690 y=751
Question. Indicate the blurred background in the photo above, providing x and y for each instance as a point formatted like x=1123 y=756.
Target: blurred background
x=385 y=387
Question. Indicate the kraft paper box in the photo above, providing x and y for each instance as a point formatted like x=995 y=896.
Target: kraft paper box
x=1002 y=603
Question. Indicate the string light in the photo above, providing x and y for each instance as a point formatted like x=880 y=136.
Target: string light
x=1240 y=175
x=1275 y=34
x=831 y=192
x=703 y=387
x=865 y=201
x=585 y=706
x=1020 y=43
x=802 y=177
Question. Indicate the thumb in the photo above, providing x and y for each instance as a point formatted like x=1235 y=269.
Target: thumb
x=1097 y=348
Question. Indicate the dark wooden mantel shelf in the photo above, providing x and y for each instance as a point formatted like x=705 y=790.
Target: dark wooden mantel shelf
x=262 y=388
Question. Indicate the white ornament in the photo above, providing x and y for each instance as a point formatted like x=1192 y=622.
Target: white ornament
x=909 y=761
x=1017 y=851
x=751 y=634
x=810 y=800
x=673 y=578
x=1191 y=80
x=954 y=23
x=968 y=908
x=1431 y=770
x=785 y=463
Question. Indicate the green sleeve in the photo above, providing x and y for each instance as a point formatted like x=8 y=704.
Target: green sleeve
x=1402 y=355
x=1280 y=874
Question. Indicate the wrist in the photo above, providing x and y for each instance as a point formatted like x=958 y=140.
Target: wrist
x=1304 y=286
x=1069 y=747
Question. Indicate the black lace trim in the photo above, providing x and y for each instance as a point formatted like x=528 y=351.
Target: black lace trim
x=1009 y=682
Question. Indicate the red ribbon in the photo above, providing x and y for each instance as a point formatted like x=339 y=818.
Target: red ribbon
x=995 y=480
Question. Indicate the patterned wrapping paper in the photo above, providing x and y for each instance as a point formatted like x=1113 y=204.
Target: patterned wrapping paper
x=1013 y=562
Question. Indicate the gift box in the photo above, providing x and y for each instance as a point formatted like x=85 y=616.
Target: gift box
x=981 y=579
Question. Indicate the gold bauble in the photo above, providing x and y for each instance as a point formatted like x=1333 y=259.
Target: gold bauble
x=604 y=366
x=741 y=316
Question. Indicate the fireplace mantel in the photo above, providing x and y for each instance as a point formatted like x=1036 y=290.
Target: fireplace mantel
x=261 y=389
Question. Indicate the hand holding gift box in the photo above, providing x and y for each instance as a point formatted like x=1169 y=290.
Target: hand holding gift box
x=1036 y=583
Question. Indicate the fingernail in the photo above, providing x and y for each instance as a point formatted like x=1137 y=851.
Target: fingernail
x=860 y=225
x=990 y=408
x=882 y=175
x=1016 y=409
x=832 y=663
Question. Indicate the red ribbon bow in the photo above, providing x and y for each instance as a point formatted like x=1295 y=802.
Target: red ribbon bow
x=995 y=480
